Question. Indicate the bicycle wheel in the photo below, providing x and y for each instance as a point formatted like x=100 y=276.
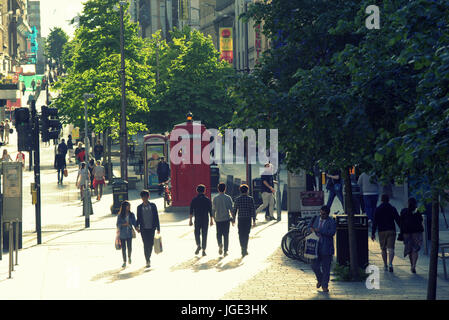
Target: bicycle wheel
x=285 y=243
x=295 y=246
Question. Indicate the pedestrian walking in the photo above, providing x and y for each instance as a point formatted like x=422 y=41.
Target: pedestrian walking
x=411 y=221
x=33 y=84
x=125 y=222
x=245 y=211
x=335 y=187
x=70 y=148
x=99 y=180
x=222 y=213
x=2 y=131
x=60 y=166
x=80 y=153
x=147 y=224
x=369 y=189
x=201 y=208
x=268 y=191
x=21 y=158
x=98 y=151
x=24 y=88
x=325 y=228
x=385 y=216
x=7 y=128
x=62 y=148
x=6 y=157
x=83 y=176
x=163 y=173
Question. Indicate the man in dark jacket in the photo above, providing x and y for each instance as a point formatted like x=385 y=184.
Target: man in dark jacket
x=98 y=151
x=147 y=224
x=163 y=172
x=62 y=148
x=60 y=166
x=385 y=216
x=201 y=208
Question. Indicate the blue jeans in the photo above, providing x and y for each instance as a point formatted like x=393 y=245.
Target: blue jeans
x=322 y=268
x=332 y=194
x=370 y=205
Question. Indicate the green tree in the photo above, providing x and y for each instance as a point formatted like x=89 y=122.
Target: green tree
x=191 y=78
x=54 y=45
x=95 y=68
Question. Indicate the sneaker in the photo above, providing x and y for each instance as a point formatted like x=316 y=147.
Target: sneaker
x=325 y=289
x=197 y=250
x=413 y=270
x=124 y=265
x=220 y=250
x=129 y=260
x=385 y=268
x=204 y=253
x=225 y=254
x=148 y=264
x=390 y=268
x=318 y=285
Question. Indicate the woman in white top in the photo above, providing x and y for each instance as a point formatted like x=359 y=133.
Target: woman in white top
x=83 y=176
x=6 y=157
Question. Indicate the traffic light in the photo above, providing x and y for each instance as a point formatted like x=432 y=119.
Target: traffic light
x=51 y=126
x=24 y=129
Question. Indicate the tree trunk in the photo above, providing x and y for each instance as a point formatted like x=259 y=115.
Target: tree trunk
x=349 y=210
x=433 y=259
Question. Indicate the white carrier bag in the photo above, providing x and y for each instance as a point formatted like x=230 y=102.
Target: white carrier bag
x=311 y=248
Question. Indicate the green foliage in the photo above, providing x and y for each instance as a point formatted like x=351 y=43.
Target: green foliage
x=55 y=43
x=191 y=78
x=342 y=273
x=93 y=57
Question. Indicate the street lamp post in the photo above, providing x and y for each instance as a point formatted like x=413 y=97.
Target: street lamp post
x=86 y=199
x=123 y=132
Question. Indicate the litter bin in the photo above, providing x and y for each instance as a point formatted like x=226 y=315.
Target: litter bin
x=214 y=178
x=361 y=235
x=120 y=194
x=132 y=183
x=257 y=191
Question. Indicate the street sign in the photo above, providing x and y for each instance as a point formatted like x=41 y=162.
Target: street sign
x=12 y=191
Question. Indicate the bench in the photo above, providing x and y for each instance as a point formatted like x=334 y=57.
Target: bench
x=442 y=256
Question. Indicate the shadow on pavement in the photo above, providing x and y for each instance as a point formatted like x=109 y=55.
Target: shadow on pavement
x=115 y=274
x=230 y=265
x=185 y=265
x=206 y=265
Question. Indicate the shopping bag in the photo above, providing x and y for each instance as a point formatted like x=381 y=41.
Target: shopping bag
x=311 y=248
x=157 y=244
x=118 y=243
x=66 y=173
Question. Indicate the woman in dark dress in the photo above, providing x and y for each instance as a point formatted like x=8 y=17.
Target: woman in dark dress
x=412 y=229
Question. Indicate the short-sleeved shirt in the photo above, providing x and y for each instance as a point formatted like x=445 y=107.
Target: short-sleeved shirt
x=269 y=179
x=99 y=172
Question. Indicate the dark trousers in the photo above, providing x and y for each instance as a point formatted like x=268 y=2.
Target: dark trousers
x=332 y=194
x=148 y=241
x=125 y=243
x=244 y=226
x=60 y=174
x=322 y=268
x=201 y=227
x=370 y=205
x=223 y=234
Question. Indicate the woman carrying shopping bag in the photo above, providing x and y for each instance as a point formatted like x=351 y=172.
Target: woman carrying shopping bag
x=125 y=222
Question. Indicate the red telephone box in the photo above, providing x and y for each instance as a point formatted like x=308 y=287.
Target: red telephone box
x=189 y=161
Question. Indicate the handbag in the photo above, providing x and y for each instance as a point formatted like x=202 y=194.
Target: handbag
x=66 y=173
x=157 y=244
x=11 y=131
x=118 y=242
x=311 y=248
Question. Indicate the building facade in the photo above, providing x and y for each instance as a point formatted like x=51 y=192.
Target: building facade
x=154 y=15
x=34 y=20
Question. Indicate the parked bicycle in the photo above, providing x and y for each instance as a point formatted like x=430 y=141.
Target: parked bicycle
x=293 y=242
x=167 y=193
